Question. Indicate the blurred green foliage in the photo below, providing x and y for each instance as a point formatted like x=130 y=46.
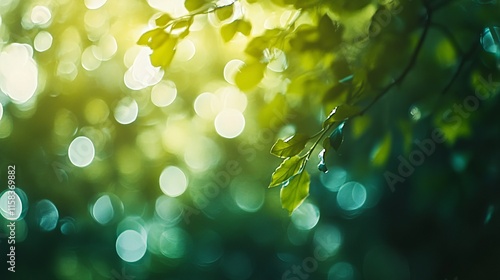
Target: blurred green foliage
x=142 y=151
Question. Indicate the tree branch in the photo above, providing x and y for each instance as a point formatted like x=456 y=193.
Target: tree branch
x=410 y=64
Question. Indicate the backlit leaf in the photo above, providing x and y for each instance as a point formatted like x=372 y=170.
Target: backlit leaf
x=341 y=113
x=250 y=75
x=382 y=150
x=244 y=27
x=288 y=168
x=290 y=146
x=337 y=137
x=163 y=20
x=297 y=190
x=193 y=5
x=224 y=12
x=229 y=30
x=163 y=55
x=146 y=38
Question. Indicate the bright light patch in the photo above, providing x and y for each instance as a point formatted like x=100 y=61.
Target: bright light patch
x=1 y=111
x=306 y=216
x=46 y=215
x=18 y=72
x=174 y=8
x=415 y=113
x=43 y=41
x=488 y=39
x=277 y=60
x=106 y=48
x=351 y=196
x=81 y=151
x=173 y=181
x=131 y=246
x=203 y=105
x=40 y=15
x=11 y=206
x=229 y=123
x=126 y=111
x=185 y=51
x=230 y=97
x=89 y=61
x=103 y=211
x=164 y=93
x=142 y=73
x=230 y=70
x=94 y=4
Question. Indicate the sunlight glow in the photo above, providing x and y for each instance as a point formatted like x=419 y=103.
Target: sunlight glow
x=351 y=196
x=94 y=4
x=11 y=211
x=131 y=246
x=18 y=72
x=81 y=151
x=126 y=111
x=142 y=73
x=163 y=93
x=43 y=41
x=173 y=181
x=306 y=216
x=40 y=15
x=106 y=208
x=229 y=123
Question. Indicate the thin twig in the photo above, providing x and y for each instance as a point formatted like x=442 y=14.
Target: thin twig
x=408 y=67
x=464 y=59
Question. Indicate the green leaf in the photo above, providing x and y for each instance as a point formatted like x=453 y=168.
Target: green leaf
x=337 y=137
x=224 y=12
x=163 y=20
x=228 y=31
x=163 y=55
x=146 y=38
x=257 y=46
x=244 y=27
x=341 y=113
x=250 y=75
x=297 y=190
x=382 y=150
x=193 y=5
x=290 y=147
x=183 y=24
x=288 y=168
